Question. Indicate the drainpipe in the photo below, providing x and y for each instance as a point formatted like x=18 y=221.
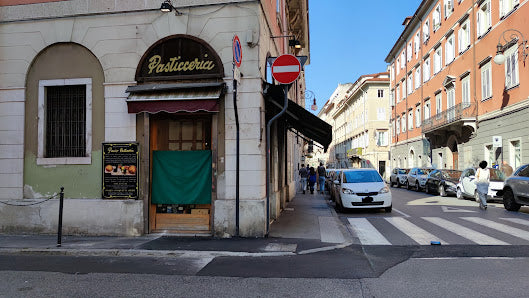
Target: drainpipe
x=268 y=158
x=237 y=201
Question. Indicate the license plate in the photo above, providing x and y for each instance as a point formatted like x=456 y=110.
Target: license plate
x=367 y=200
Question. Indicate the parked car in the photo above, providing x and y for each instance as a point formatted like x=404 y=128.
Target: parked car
x=443 y=182
x=466 y=188
x=328 y=180
x=398 y=177
x=417 y=178
x=362 y=188
x=516 y=189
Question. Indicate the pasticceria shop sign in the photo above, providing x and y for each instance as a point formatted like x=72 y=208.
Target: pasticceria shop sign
x=179 y=57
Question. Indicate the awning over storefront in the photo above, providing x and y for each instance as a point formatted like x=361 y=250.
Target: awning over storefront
x=298 y=118
x=191 y=97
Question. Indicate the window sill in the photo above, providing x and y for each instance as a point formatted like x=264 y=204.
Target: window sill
x=464 y=50
x=510 y=12
x=42 y=161
x=485 y=33
x=486 y=99
x=507 y=89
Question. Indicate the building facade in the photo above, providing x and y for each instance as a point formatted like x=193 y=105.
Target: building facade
x=359 y=113
x=449 y=96
x=138 y=114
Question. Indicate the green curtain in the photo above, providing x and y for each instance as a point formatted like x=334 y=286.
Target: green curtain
x=181 y=177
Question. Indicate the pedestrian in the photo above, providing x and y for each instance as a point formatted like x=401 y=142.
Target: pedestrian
x=321 y=178
x=312 y=179
x=506 y=169
x=482 y=184
x=304 y=174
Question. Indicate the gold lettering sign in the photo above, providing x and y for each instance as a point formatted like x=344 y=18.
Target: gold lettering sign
x=176 y=64
x=179 y=57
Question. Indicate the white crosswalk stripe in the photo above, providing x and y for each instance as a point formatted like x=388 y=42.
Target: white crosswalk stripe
x=464 y=232
x=419 y=235
x=517 y=221
x=499 y=227
x=367 y=233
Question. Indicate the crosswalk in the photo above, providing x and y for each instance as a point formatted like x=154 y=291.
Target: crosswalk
x=424 y=230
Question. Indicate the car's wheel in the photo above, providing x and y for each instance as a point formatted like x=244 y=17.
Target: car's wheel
x=408 y=185
x=426 y=188
x=390 y=183
x=417 y=187
x=388 y=209
x=459 y=194
x=476 y=196
x=339 y=205
x=508 y=201
x=442 y=191
x=398 y=183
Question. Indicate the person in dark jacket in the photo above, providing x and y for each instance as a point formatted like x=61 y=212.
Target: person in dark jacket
x=304 y=174
x=312 y=179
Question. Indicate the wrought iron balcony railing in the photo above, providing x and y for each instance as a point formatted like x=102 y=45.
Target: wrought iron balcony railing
x=456 y=113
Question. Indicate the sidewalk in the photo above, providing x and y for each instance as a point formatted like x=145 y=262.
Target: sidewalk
x=307 y=224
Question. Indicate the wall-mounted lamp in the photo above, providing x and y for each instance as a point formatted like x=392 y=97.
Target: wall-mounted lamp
x=292 y=42
x=514 y=37
x=168 y=7
x=310 y=95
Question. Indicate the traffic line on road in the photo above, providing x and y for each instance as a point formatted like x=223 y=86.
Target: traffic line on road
x=403 y=214
x=499 y=227
x=367 y=233
x=517 y=221
x=464 y=232
x=416 y=233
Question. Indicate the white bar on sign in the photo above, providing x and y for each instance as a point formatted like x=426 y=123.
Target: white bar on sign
x=286 y=68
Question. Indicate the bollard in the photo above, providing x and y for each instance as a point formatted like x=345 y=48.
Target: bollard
x=59 y=231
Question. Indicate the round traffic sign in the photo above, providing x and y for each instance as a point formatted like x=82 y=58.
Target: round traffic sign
x=286 y=69
x=237 y=51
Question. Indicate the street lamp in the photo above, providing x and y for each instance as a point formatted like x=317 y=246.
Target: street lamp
x=514 y=35
x=310 y=95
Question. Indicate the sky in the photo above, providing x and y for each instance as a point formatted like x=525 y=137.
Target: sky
x=350 y=38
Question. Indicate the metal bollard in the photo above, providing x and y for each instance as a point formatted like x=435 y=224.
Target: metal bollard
x=59 y=232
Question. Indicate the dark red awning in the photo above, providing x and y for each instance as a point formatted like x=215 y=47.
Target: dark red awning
x=173 y=106
x=182 y=98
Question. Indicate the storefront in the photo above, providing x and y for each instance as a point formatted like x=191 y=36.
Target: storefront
x=179 y=88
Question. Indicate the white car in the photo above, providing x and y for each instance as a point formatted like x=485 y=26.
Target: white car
x=466 y=188
x=362 y=188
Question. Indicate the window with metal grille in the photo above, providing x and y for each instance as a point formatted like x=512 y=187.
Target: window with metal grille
x=65 y=121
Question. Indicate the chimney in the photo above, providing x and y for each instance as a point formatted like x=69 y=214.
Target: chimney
x=406 y=21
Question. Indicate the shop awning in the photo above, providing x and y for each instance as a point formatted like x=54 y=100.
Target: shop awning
x=173 y=98
x=298 y=118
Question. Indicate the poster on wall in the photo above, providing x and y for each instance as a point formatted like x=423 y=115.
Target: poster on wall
x=120 y=170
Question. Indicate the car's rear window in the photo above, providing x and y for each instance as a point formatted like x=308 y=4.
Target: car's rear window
x=403 y=171
x=361 y=177
x=423 y=171
x=451 y=174
x=496 y=175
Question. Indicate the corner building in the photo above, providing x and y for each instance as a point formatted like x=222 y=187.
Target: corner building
x=449 y=97
x=132 y=110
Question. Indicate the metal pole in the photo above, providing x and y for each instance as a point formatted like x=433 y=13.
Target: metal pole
x=59 y=231
x=268 y=159
x=237 y=159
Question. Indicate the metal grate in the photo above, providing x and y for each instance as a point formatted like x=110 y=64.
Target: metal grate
x=66 y=121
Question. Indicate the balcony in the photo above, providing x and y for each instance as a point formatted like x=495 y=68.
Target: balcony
x=463 y=114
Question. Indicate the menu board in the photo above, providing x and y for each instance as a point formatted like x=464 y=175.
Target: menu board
x=120 y=170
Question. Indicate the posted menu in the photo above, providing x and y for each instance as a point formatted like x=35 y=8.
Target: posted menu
x=120 y=170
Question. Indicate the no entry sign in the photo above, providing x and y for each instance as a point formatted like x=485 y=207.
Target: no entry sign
x=286 y=69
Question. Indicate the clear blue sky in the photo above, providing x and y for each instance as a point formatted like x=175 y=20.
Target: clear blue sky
x=350 y=38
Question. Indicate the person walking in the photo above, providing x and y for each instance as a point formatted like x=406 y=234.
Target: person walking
x=482 y=184
x=312 y=179
x=321 y=178
x=304 y=174
x=506 y=169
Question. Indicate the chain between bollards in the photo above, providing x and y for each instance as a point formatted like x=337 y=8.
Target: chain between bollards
x=59 y=231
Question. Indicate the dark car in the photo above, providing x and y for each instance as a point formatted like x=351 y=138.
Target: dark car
x=417 y=178
x=398 y=177
x=516 y=189
x=443 y=182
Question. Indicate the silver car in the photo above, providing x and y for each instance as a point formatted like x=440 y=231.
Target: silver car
x=417 y=178
x=516 y=189
x=466 y=188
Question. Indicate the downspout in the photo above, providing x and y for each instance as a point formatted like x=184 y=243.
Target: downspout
x=268 y=158
x=237 y=201
x=474 y=61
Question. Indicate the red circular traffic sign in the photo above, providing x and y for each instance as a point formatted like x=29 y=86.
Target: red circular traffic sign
x=286 y=69
x=237 y=51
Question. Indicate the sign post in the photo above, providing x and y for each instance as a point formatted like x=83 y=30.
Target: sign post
x=285 y=69
x=237 y=60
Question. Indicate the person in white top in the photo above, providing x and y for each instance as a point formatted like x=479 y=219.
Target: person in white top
x=482 y=184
